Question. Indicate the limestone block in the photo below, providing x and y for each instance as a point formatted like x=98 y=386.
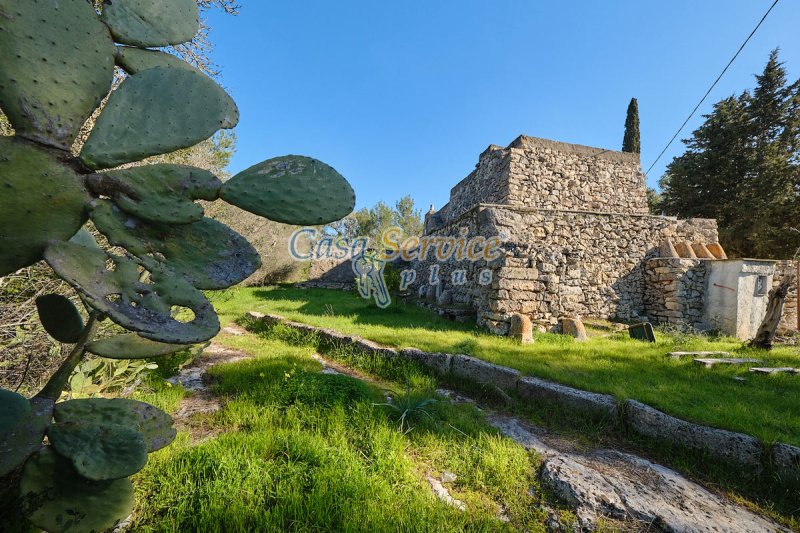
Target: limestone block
x=684 y=250
x=574 y=328
x=445 y=298
x=521 y=328
x=717 y=251
x=597 y=405
x=438 y=362
x=786 y=460
x=728 y=445
x=667 y=249
x=479 y=371
x=701 y=251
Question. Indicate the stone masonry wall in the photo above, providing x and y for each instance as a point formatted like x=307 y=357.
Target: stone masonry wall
x=789 y=317
x=674 y=290
x=557 y=263
x=554 y=175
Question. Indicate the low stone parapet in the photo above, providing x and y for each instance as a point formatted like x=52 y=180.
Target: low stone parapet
x=637 y=418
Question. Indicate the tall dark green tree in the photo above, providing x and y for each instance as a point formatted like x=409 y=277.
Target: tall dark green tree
x=631 y=141
x=742 y=167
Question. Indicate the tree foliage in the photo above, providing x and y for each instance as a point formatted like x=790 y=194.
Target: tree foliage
x=372 y=222
x=631 y=141
x=742 y=167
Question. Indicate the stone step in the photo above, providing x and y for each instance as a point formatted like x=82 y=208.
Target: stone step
x=678 y=355
x=779 y=370
x=710 y=362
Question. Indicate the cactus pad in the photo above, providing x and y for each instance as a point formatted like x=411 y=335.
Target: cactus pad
x=23 y=435
x=112 y=285
x=13 y=408
x=207 y=253
x=60 y=318
x=134 y=60
x=58 y=499
x=57 y=65
x=40 y=200
x=291 y=189
x=152 y=23
x=131 y=346
x=85 y=238
x=158 y=193
x=157 y=111
x=99 y=451
x=153 y=424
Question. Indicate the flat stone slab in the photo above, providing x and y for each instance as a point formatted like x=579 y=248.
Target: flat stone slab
x=438 y=362
x=678 y=355
x=708 y=363
x=779 y=370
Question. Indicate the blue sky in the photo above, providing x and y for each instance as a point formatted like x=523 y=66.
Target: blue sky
x=401 y=97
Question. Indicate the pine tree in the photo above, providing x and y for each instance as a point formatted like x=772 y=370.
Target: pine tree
x=742 y=167
x=631 y=142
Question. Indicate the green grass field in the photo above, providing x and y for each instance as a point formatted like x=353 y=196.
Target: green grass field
x=294 y=449
x=767 y=407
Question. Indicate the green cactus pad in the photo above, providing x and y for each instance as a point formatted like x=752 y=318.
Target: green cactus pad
x=85 y=238
x=207 y=253
x=152 y=23
x=60 y=318
x=13 y=408
x=153 y=424
x=291 y=189
x=21 y=434
x=131 y=346
x=58 y=499
x=135 y=60
x=58 y=65
x=112 y=285
x=40 y=200
x=157 y=111
x=99 y=451
x=158 y=193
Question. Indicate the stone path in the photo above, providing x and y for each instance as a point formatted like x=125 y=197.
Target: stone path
x=193 y=378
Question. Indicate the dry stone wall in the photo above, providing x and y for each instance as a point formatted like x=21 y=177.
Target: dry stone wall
x=559 y=263
x=674 y=291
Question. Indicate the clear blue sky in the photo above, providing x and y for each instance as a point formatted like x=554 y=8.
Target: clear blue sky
x=401 y=97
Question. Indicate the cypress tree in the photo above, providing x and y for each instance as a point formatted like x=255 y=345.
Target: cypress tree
x=631 y=142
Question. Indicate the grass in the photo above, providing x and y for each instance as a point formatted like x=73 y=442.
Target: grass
x=767 y=407
x=301 y=450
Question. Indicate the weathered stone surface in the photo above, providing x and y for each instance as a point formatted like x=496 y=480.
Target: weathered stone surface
x=521 y=328
x=667 y=249
x=609 y=483
x=701 y=251
x=445 y=298
x=438 y=362
x=479 y=371
x=684 y=250
x=574 y=328
x=717 y=251
x=728 y=445
x=774 y=370
x=786 y=460
x=597 y=405
x=710 y=362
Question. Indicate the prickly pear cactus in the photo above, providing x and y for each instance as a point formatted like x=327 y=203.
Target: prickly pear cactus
x=56 y=66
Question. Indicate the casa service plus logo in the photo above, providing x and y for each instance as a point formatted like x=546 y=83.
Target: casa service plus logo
x=368 y=261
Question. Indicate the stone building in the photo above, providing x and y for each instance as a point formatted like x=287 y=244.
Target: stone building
x=577 y=239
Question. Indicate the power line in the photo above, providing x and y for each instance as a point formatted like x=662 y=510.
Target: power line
x=703 y=99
